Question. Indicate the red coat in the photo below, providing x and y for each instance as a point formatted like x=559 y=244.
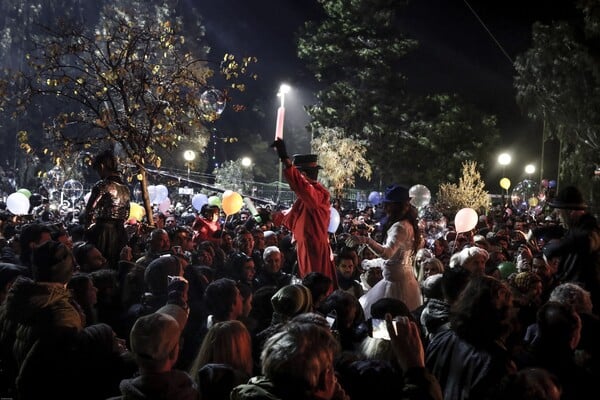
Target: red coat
x=309 y=222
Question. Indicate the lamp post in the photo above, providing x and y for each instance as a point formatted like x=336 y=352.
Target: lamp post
x=283 y=90
x=189 y=156
x=529 y=170
x=504 y=159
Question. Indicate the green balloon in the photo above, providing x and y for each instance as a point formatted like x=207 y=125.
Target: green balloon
x=506 y=268
x=214 y=201
x=24 y=191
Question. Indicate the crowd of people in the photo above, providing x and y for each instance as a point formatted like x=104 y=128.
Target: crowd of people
x=202 y=308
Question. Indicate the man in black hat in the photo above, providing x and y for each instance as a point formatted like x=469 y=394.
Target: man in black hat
x=309 y=217
x=579 y=248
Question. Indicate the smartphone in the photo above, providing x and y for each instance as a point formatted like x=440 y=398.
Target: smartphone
x=378 y=329
x=331 y=317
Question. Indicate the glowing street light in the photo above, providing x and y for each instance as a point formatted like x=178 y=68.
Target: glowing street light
x=283 y=90
x=504 y=159
x=246 y=162
x=529 y=169
x=189 y=156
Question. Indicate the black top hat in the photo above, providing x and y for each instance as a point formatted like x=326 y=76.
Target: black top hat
x=568 y=198
x=306 y=161
x=396 y=194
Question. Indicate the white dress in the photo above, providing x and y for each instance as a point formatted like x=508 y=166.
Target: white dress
x=396 y=261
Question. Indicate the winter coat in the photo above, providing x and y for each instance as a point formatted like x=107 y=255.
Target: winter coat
x=33 y=311
x=463 y=370
x=171 y=385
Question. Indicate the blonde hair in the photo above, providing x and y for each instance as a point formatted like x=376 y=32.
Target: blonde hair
x=226 y=342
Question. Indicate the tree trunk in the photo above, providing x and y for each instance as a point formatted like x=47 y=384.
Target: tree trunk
x=145 y=196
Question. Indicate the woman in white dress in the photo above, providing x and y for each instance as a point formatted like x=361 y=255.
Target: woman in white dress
x=396 y=255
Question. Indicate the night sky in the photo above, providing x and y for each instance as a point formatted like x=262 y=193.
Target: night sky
x=456 y=54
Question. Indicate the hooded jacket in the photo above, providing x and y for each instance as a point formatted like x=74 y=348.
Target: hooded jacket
x=33 y=311
x=173 y=384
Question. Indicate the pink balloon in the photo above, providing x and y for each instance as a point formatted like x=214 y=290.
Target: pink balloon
x=165 y=205
x=465 y=220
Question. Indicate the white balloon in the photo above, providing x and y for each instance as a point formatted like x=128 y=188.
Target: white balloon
x=199 y=200
x=465 y=220
x=152 y=193
x=17 y=203
x=161 y=193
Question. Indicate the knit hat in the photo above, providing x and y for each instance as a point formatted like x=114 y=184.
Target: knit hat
x=569 y=198
x=157 y=272
x=52 y=262
x=292 y=300
x=523 y=281
x=154 y=336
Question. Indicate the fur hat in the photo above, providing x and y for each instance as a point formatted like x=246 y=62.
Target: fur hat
x=306 y=161
x=292 y=300
x=568 y=198
x=52 y=262
x=154 y=336
x=395 y=194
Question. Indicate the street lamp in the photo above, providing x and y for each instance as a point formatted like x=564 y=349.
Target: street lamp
x=246 y=162
x=283 y=90
x=529 y=170
x=189 y=156
x=504 y=159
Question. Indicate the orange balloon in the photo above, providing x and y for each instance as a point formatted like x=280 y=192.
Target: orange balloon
x=232 y=202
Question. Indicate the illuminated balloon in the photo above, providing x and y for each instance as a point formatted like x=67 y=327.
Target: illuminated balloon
x=533 y=201
x=26 y=192
x=199 y=200
x=545 y=183
x=526 y=197
x=420 y=196
x=505 y=183
x=162 y=193
x=434 y=222
x=17 y=203
x=552 y=184
x=374 y=198
x=214 y=201
x=334 y=220
x=465 y=220
x=152 y=193
x=72 y=189
x=136 y=211
x=232 y=202
x=212 y=103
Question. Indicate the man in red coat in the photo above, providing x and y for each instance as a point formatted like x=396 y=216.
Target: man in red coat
x=308 y=218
